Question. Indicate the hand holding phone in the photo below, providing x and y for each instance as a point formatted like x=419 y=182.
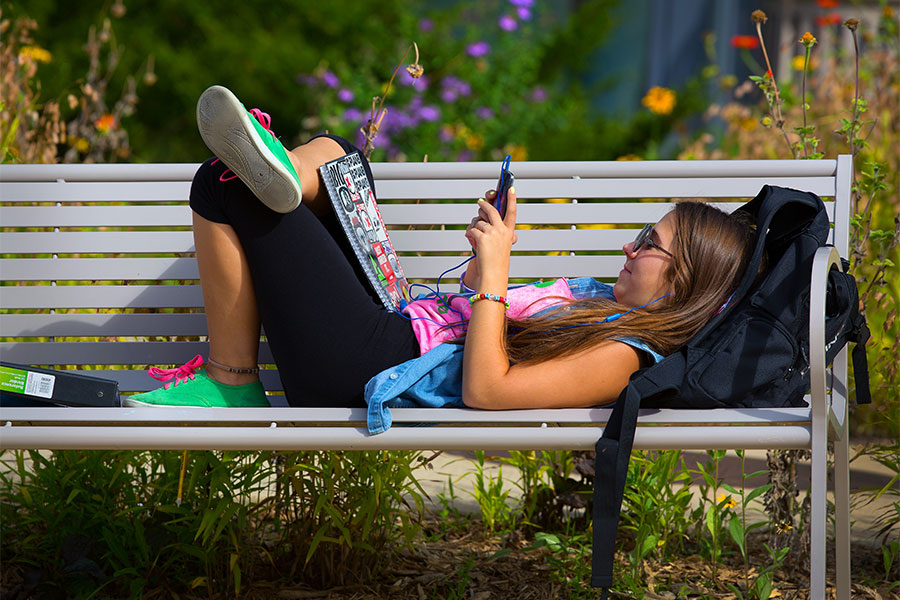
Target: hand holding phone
x=503 y=184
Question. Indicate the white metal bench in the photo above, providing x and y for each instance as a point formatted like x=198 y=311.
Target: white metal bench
x=98 y=264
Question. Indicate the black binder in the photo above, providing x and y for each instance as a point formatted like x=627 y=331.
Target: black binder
x=26 y=386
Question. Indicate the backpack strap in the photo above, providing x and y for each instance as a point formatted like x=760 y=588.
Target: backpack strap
x=850 y=326
x=612 y=454
x=861 y=371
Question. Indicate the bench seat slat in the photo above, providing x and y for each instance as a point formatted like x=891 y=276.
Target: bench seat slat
x=291 y=416
x=398 y=438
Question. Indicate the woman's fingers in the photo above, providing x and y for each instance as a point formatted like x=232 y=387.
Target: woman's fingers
x=511 y=208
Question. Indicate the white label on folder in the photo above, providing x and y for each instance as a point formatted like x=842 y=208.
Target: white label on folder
x=40 y=384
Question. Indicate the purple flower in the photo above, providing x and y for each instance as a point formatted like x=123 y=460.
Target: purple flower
x=345 y=95
x=404 y=78
x=507 y=23
x=353 y=115
x=426 y=24
x=524 y=13
x=430 y=113
x=539 y=94
x=330 y=79
x=484 y=112
x=522 y=3
x=478 y=49
x=307 y=80
x=464 y=156
x=455 y=86
x=449 y=95
x=446 y=134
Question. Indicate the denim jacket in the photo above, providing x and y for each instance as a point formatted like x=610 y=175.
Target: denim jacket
x=434 y=380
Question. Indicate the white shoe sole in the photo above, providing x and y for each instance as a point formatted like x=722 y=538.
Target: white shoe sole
x=227 y=130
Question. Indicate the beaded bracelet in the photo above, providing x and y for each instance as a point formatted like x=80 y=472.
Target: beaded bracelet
x=495 y=298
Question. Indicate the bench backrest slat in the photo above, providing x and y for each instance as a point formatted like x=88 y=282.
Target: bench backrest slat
x=95 y=253
x=109 y=353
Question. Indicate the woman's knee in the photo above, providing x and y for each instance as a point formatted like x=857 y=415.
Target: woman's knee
x=206 y=197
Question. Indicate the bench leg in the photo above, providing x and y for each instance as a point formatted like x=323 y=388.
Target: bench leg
x=842 y=516
x=818 y=517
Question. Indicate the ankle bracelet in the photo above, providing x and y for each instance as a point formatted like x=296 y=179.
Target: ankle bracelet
x=247 y=370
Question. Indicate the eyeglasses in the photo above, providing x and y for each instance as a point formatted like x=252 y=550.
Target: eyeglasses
x=644 y=238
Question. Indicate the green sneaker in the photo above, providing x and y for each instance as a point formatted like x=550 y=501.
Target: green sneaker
x=196 y=388
x=245 y=143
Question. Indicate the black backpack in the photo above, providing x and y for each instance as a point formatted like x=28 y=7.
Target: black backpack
x=760 y=339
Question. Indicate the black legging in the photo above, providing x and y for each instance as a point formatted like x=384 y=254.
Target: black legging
x=328 y=331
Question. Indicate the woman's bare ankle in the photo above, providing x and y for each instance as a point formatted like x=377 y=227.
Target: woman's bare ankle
x=228 y=378
x=306 y=160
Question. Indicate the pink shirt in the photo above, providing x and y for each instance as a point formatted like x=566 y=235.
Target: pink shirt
x=430 y=315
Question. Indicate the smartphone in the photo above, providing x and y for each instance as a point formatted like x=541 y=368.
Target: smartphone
x=503 y=184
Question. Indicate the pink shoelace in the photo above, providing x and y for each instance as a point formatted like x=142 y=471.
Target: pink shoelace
x=179 y=374
x=266 y=121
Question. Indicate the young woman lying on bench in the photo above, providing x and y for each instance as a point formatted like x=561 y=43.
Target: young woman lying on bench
x=271 y=251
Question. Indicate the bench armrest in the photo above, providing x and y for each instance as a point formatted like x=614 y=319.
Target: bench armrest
x=822 y=404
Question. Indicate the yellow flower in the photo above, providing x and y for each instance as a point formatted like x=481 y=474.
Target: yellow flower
x=747 y=123
x=475 y=141
x=35 y=53
x=629 y=157
x=783 y=527
x=80 y=144
x=659 y=100
x=517 y=152
x=729 y=502
x=799 y=63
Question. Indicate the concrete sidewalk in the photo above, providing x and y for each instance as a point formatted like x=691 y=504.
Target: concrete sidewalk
x=864 y=473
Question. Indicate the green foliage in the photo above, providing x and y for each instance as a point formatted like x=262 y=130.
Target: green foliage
x=112 y=520
x=492 y=497
x=656 y=504
x=486 y=91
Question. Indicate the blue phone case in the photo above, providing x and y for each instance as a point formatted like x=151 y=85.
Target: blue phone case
x=503 y=184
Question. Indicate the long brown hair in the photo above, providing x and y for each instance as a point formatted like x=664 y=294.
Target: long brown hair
x=710 y=251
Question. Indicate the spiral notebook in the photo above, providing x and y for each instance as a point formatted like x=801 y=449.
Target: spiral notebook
x=353 y=198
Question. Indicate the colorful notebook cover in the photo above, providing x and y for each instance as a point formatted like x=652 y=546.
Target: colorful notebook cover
x=353 y=198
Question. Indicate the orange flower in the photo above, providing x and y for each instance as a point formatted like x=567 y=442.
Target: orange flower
x=105 y=123
x=808 y=40
x=745 y=42
x=827 y=4
x=829 y=19
x=659 y=100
